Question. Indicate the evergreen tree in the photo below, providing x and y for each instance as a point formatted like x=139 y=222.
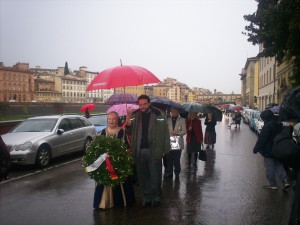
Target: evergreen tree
x=66 y=71
x=276 y=25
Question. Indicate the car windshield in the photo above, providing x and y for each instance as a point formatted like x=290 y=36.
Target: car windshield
x=36 y=125
x=98 y=120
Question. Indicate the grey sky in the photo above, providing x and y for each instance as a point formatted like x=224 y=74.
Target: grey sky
x=197 y=42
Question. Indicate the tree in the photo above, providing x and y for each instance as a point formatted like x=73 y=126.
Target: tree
x=276 y=25
x=66 y=71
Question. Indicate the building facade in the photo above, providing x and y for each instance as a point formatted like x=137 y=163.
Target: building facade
x=16 y=83
x=249 y=79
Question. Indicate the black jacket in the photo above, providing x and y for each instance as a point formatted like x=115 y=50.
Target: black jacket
x=265 y=140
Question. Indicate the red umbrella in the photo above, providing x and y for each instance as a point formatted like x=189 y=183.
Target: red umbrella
x=122 y=76
x=87 y=106
x=237 y=108
x=120 y=98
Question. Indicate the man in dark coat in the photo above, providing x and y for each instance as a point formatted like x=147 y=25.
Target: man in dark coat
x=264 y=146
x=149 y=130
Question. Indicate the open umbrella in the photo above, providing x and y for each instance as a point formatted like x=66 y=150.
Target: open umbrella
x=215 y=111
x=120 y=98
x=121 y=109
x=122 y=76
x=87 y=106
x=275 y=109
x=166 y=104
x=237 y=108
x=193 y=107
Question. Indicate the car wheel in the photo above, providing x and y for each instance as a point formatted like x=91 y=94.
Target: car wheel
x=43 y=157
x=87 y=142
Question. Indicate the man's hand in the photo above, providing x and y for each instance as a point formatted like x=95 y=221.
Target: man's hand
x=128 y=116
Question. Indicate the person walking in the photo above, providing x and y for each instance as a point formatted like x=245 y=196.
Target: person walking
x=177 y=129
x=148 y=128
x=194 y=138
x=264 y=146
x=210 y=131
x=113 y=131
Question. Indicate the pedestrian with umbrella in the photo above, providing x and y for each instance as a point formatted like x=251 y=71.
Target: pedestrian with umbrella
x=194 y=138
x=210 y=132
x=86 y=109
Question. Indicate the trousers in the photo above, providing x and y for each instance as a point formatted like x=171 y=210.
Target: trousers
x=149 y=172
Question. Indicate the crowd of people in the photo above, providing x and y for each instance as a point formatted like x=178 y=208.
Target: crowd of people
x=152 y=136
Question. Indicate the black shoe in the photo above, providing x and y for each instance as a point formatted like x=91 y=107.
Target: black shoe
x=213 y=146
x=155 y=203
x=207 y=147
x=146 y=203
x=195 y=167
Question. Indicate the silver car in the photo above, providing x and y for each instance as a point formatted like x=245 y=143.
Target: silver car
x=36 y=140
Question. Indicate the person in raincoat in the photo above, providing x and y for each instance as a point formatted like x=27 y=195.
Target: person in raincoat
x=194 y=138
x=210 y=131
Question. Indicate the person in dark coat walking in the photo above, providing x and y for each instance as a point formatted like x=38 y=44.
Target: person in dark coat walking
x=264 y=146
x=210 y=131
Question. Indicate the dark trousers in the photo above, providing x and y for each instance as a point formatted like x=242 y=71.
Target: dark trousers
x=173 y=158
x=190 y=157
x=149 y=174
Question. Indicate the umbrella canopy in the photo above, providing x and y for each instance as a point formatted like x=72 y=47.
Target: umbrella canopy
x=166 y=104
x=275 y=109
x=120 y=98
x=87 y=106
x=122 y=76
x=193 y=107
x=217 y=113
x=121 y=109
x=237 y=108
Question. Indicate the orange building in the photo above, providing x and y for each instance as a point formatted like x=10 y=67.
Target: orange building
x=16 y=83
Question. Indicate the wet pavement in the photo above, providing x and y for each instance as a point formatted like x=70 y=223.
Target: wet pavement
x=227 y=189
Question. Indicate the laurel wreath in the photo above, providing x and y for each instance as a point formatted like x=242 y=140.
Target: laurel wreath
x=120 y=159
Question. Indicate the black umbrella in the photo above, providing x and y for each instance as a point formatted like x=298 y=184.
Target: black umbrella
x=217 y=113
x=166 y=104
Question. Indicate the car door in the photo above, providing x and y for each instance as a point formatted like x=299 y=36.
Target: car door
x=78 y=134
x=64 y=141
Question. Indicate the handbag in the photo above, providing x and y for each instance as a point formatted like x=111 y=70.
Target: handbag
x=202 y=154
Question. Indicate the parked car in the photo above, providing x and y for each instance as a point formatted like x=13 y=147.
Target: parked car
x=99 y=121
x=247 y=113
x=259 y=125
x=254 y=117
x=39 y=139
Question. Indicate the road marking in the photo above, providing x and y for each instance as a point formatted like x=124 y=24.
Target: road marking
x=38 y=171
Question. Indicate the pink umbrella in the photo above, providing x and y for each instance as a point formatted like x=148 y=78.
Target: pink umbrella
x=122 y=109
x=122 y=76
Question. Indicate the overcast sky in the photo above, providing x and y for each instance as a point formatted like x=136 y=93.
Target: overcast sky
x=197 y=42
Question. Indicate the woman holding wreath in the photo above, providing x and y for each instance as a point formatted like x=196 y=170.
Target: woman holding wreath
x=123 y=191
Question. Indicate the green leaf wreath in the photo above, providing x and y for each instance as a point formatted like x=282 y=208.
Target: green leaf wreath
x=120 y=159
